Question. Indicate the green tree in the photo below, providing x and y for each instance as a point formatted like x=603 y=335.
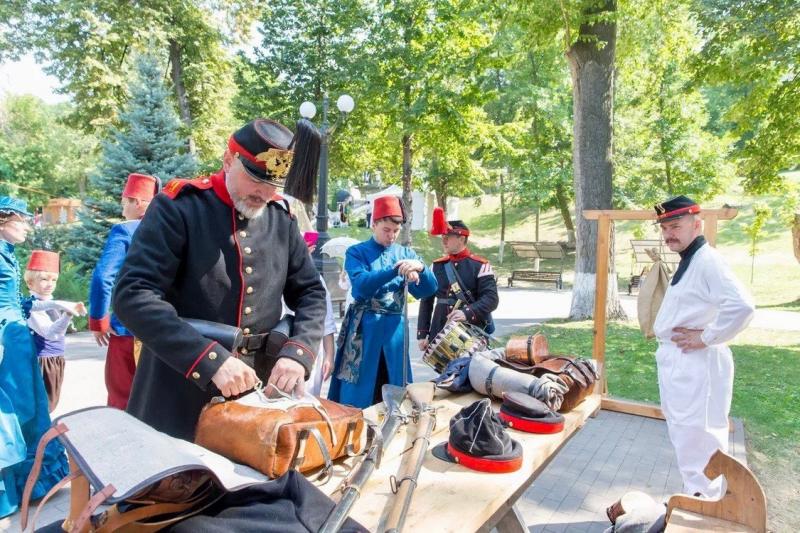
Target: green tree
x=40 y=157
x=89 y=45
x=666 y=143
x=147 y=141
x=753 y=46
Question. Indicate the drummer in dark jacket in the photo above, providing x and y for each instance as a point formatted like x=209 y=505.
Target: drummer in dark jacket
x=472 y=282
x=223 y=248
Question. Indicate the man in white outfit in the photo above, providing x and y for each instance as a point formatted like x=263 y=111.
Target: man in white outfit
x=704 y=307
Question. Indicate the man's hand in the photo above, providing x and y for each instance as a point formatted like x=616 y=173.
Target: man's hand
x=79 y=309
x=423 y=344
x=406 y=266
x=457 y=316
x=234 y=377
x=101 y=338
x=413 y=277
x=289 y=376
x=688 y=339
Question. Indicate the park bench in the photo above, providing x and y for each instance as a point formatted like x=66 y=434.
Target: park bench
x=538 y=253
x=642 y=260
x=742 y=509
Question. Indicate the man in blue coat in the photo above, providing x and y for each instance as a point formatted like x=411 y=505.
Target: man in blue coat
x=371 y=349
x=107 y=329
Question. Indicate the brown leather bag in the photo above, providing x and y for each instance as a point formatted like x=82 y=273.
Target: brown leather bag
x=274 y=441
x=578 y=373
x=527 y=350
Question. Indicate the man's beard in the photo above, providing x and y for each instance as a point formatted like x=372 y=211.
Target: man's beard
x=247 y=212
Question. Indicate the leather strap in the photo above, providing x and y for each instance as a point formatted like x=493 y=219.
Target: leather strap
x=323 y=448
x=91 y=506
x=33 y=477
x=57 y=487
x=488 y=382
x=530 y=350
x=254 y=342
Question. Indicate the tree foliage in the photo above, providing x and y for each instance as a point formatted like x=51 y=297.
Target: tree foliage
x=148 y=142
x=40 y=157
x=753 y=46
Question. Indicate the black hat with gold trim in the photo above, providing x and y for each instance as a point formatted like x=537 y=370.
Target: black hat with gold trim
x=675 y=208
x=270 y=152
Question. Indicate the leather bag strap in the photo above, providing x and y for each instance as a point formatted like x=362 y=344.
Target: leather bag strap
x=33 y=477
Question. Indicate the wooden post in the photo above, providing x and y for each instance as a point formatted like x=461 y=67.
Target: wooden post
x=710 y=228
x=600 y=296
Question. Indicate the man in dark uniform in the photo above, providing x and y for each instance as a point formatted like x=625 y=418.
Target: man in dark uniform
x=472 y=282
x=222 y=248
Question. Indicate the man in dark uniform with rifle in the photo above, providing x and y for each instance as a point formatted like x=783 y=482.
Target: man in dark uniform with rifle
x=467 y=287
x=223 y=248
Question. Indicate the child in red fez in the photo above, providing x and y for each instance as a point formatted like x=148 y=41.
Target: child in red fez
x=48 y=320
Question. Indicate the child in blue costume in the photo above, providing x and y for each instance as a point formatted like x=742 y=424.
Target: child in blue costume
x=370 y=346
x=24 y=415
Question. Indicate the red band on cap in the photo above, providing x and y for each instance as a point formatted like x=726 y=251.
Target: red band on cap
x=235 y=147
x=692 y=209
x=485 y=465
x=530 y=426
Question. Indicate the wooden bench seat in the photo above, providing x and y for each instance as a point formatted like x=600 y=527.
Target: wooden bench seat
x=742 y=509
x=535 y=276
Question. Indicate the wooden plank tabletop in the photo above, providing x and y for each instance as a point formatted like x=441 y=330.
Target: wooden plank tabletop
x=448 y=496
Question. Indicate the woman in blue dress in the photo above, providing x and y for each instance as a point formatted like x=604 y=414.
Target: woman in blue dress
x=24 y=415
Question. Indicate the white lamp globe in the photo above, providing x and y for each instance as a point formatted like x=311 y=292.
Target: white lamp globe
x=308 y=110
x=345 y=103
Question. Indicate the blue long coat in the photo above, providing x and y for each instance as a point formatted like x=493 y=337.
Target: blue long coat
x=24 y=415
x=378 y=294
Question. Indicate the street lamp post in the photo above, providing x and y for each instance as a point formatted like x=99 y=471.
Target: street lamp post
x=308 y=110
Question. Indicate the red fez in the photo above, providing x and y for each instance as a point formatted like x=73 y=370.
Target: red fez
x=442 y=227
x=43 y=260
x=388 y=206
x=141 y=187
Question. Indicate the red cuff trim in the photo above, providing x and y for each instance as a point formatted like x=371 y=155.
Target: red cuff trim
x=197 y=361
x=531 y=426
x=100 y=324
x=304 y=348
x=484 y=465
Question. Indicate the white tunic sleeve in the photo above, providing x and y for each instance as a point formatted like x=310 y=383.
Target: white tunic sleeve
x=731 y=298
x=330 y=322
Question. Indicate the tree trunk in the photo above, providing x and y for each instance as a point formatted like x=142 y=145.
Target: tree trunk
x=563 y=206
x=796 y=236
x=405 y=233
x=592 y=69
x=502 y=213
x=176 y=72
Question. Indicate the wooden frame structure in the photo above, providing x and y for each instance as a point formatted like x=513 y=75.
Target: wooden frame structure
x=604 y=217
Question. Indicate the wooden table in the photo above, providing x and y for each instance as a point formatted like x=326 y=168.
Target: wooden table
x=448 y=496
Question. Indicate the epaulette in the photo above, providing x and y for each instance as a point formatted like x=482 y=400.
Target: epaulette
x=279 y=200
x=442 y=259
x=175 y=186
x=478 y=258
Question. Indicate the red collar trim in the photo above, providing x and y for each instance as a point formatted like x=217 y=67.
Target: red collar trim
x=484 y=465
x=693 y=209
x=218 y=183
x=532 y=426
x=463 y=254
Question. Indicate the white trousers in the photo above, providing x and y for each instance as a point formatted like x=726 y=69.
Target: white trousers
x=696 y=389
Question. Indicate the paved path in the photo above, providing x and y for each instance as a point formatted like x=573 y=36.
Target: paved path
x=613 y=453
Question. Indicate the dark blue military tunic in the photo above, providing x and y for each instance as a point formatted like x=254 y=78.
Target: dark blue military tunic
x=477 y=276
x=195 y=256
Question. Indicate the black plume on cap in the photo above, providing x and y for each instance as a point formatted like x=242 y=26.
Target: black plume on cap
x=301 y=181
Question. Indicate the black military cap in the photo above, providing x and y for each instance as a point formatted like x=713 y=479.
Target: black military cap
x=270 y=152
x=479 y=441
x=675 y=208
x=523 y=412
